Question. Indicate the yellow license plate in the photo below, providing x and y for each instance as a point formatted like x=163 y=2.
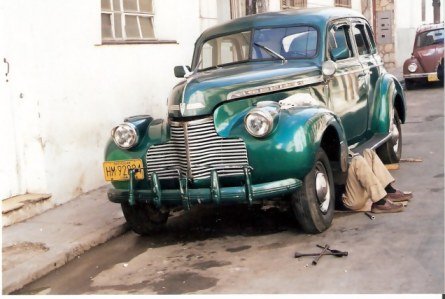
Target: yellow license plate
x=432 y=77
x=119 y=170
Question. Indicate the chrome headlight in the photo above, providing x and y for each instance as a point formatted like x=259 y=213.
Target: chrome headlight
x=125 y=135
x=260 y=121
x=412 y=67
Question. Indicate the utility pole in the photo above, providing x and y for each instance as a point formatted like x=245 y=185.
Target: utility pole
x=436 y=11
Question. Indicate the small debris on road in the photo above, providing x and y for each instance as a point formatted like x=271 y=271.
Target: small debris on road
x=125 y=265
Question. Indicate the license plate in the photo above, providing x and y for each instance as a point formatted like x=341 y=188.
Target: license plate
x=432 y=77
x=119 y=170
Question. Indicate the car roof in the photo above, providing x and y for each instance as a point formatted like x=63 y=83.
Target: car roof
x=317 y=16
x=428 y=27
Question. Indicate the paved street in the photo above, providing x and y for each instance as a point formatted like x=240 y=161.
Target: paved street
x=242 y=251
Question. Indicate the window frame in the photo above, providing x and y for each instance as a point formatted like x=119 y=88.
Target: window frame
x=364 y=36
x=111 y=11
x=350 y=39
x=197 y=51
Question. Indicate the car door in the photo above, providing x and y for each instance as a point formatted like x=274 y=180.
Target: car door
x=365 y=50
x=346 y=87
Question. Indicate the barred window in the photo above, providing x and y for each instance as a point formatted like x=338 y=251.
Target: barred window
x=293 y=4
x=343 y=3
x=124 y=20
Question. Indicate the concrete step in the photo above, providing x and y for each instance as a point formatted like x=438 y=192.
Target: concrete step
x=21 y=207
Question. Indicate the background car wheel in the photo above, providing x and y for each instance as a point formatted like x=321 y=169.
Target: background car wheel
x=144 y=219
x=391 y=151
x=314 y=202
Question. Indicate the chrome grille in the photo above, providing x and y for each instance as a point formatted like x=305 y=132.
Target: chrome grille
x=195 y=148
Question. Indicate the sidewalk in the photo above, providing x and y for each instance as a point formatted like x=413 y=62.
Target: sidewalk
x=47 y=241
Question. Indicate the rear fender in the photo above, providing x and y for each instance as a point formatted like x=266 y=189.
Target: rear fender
x=389 y=94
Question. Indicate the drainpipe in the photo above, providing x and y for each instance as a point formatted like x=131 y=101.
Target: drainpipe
x=374 y=26
x=436 y=8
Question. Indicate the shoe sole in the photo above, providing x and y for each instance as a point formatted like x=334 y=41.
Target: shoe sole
x=378 y=211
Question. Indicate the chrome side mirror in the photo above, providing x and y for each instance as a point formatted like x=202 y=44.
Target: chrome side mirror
x=328 y=69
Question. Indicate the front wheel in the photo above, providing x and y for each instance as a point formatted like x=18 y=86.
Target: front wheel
x=313 y=203
x=391 y=151
x=144 y=219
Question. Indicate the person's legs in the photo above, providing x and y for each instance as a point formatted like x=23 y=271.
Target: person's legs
x=378 y=168
x=361 y=184
x=385 y=178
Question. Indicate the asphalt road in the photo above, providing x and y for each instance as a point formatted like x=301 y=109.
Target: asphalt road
x=242 y=251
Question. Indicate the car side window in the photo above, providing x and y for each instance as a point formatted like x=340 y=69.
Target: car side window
x=371 y=38
x=360 y=40
x=340 y=46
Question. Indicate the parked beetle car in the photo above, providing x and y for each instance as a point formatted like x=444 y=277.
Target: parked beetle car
x=268 y=109
x=423 y=66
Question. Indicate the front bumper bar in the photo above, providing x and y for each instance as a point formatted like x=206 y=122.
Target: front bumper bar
x=418 y=75
x=214 y=194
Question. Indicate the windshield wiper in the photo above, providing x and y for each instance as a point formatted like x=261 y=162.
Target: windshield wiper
x=270 y=51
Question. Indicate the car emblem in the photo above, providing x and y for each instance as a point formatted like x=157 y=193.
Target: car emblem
x=182 y=108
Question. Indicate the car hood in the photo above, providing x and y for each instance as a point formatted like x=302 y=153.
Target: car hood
x=429 y=57
x=203 y=91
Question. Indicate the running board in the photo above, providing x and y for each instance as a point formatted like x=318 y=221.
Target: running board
x=373 y=143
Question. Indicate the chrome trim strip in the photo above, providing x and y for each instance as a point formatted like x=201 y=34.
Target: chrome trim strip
x=273 y=87
x=381 y=141
x=190 y=106
x=192 y=122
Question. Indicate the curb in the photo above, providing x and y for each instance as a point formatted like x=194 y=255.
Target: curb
x=52 y=260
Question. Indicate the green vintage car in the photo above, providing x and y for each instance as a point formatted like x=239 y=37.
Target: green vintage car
x=267 y=112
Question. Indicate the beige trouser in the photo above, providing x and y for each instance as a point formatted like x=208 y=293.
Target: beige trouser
x=366 y=181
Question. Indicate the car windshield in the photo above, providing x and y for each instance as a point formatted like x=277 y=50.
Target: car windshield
x=296 y=42
x=429 y=38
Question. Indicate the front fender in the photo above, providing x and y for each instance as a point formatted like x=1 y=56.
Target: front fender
x=150 y=132
x=289 y=151
x=389 y=94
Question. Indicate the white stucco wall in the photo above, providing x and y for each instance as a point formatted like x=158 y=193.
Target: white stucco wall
x=68 y=90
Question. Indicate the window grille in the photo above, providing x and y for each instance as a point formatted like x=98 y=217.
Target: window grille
x=343 y=3
x=124 y=20
x=293 y=4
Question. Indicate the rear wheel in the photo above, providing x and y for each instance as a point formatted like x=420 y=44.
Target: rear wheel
x=391 y=151
x=313 y=203
x=144 y=219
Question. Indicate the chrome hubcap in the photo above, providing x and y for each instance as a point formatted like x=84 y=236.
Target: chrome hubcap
x=323 y=191
x=395 y=135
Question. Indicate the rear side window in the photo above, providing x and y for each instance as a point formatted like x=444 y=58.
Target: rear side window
x=340 y=46
x=360 y=40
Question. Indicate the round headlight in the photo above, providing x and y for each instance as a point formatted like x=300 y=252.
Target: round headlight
x=412 y=67
x=125 y=135
x=259 y=122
